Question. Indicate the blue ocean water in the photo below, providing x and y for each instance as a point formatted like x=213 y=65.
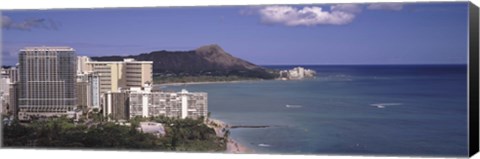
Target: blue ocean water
x=412 y=110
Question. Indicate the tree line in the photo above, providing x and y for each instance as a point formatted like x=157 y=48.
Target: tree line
x=62 y=132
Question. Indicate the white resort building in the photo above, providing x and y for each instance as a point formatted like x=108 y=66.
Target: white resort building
x=183 y=104
x=297 y=73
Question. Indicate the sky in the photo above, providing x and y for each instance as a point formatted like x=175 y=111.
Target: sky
x=379 y=33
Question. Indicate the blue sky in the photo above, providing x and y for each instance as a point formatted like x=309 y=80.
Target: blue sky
x=384 y=33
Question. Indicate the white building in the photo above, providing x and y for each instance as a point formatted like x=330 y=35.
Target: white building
x=183 y=104
x=156 y=129
x=82 y=64
x=11 y=72
x=297 y=73
x=8 y=101
x=4 y=92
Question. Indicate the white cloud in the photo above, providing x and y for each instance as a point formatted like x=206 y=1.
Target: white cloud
x=308 y=16
x=338 y=14
x=351 y=8
x=28 y=24
x=386 y=6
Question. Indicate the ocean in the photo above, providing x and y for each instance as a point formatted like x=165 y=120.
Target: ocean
x=406 y=110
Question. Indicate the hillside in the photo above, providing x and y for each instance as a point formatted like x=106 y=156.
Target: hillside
x=209 y=60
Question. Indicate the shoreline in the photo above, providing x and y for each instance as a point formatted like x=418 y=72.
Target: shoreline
x=232 y=145
x=209 y=82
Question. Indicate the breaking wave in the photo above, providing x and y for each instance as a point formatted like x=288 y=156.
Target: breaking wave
x=383 y=105
x=293 y=106
x=264 y=145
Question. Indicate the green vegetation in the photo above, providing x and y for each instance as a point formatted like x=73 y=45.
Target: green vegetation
x=61 y=132
x=201 y=78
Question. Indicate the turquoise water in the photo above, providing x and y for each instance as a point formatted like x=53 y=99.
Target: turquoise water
x=418 y=110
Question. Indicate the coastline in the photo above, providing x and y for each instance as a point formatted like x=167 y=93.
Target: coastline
x=232 y=145
x=210 y=82
x=222 y=82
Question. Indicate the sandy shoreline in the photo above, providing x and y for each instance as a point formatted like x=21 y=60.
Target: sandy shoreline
x=218 y=125
x=232 y=145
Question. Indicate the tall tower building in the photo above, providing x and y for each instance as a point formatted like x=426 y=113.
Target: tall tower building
x=13 y=101
x=121 y=74
x=111 y=74
x=137 y=72
x=4 y=92
x=88 y=90
x=47 y=81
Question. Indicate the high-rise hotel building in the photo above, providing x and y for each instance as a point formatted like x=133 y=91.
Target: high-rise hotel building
x=47 y=81
x=121 y=74
x=88 y=90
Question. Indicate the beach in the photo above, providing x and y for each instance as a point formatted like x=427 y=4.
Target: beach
x=232 y=145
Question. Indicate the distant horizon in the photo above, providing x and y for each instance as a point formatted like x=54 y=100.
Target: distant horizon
x=350 y=33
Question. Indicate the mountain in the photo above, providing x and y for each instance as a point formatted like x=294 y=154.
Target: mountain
x=209 y=60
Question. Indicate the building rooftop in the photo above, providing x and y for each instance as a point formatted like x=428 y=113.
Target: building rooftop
x=118 y=62
x=152 y=127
